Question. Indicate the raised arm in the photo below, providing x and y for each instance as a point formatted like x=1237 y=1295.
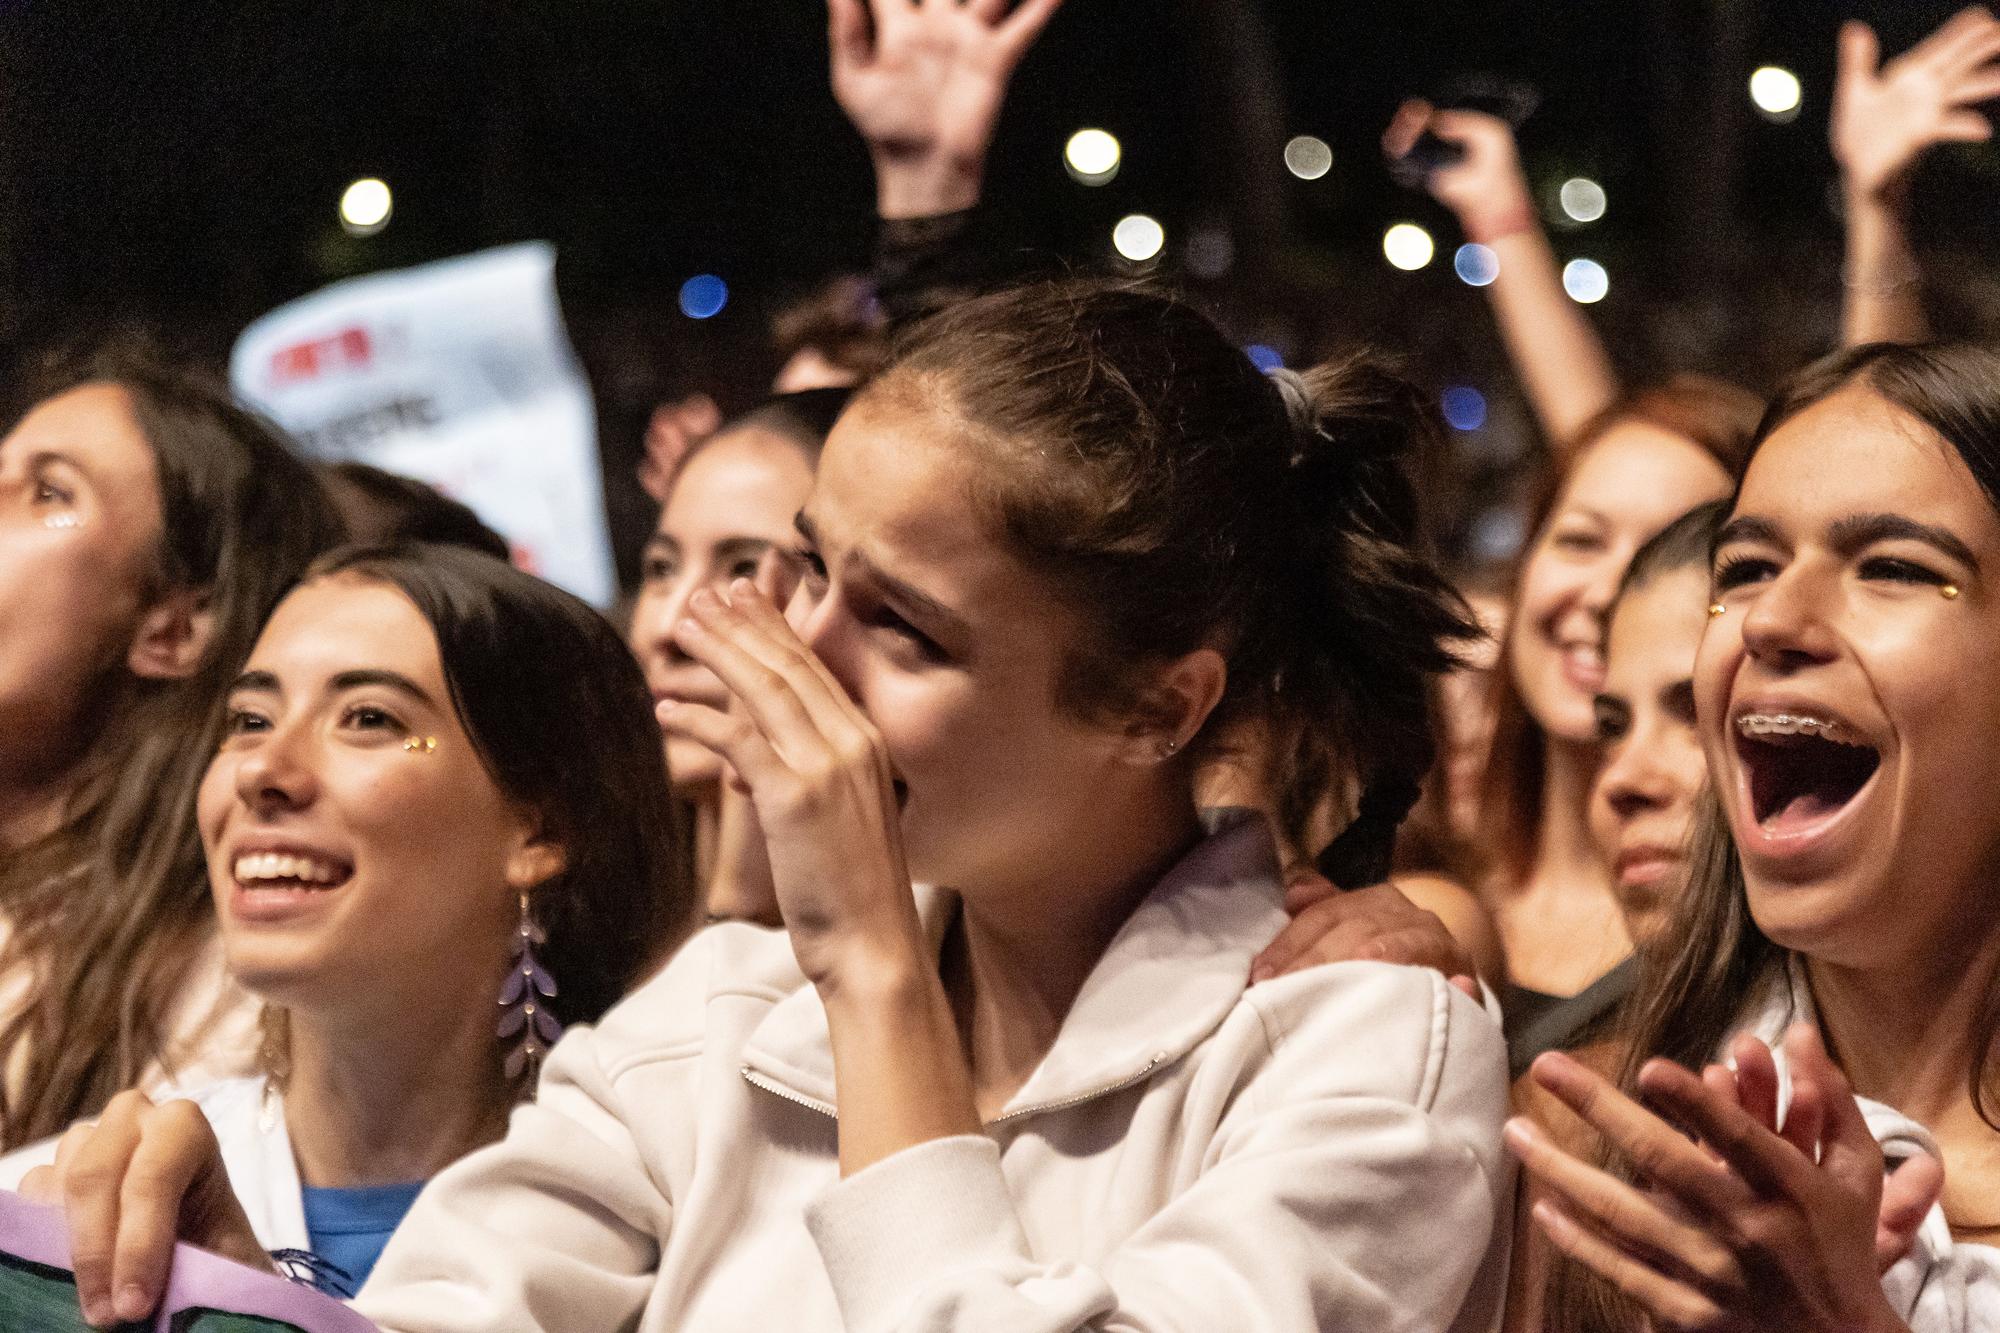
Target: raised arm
x=1558 y=355
x=1885 y=117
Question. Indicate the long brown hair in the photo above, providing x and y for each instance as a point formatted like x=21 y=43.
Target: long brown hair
x=111 y=909
x=1712 y=962
x=1716 y=417
x=1133 y=454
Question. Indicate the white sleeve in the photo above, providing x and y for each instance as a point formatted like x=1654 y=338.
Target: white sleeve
x=1322 y=1206
x=556 y=1228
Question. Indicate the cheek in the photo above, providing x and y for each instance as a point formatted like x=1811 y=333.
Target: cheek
x=215 y=799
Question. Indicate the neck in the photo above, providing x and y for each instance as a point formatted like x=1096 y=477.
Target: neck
x=1565 y=853
x=1016 y=959
x=704 y=826
x=395 y=1098
x=1907 y=1030
x=28 y=810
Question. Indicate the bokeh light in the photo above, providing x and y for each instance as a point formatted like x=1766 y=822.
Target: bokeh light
x=1776 y=93
x=703 y=296
x=1408 y=246
x=1464 y=407
x=1092 y=156
x=365 y=206
x=1265 y=358
x=1586 y=281
x=1582 y=199
x=1138 y=238
x=1308 y=157
x=1476 y=264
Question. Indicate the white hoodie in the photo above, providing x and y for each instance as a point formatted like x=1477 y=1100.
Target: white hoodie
x=1320 y=1152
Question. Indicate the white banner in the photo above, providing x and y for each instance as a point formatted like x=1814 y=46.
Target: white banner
x=459 y=374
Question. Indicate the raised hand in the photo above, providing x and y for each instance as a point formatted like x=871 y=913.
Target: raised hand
x=1750 y=1229
x=139 y=1179
x=923 y=81
x=1485 y=188
x=1886 y=116
x=1375 y=924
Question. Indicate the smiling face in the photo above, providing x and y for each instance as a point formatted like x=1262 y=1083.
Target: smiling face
x=733 y=501
x=1848 y=706
x=1652 y=768
x=1631 y=483
x=351 y=873
x=80 y=529
x=954 y=648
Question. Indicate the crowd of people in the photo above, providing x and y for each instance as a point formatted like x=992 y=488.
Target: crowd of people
x=1049 y=848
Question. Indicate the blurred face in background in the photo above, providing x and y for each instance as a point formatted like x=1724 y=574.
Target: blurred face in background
x=1652 y=770
x=733 y=499
x=1624 y=488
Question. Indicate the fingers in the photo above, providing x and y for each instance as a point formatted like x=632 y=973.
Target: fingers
x=1470 y=986
x=1308 y=888
x=1848 y=1151
x=1908 y=1196
x=772 y=686
x=1756 y=1080
x=1020 y=28
x=1406 y=127
x=91 y=1183
x=1672 y=1304
x=1964 y=127
x=1768 y=1163
x=1617 y=1211
x=1859 y=52
x=732 y=737
x=176 y=1145
x=847 y=31
x=1949 y=46
x=1289 y=951
x=1657 y=1151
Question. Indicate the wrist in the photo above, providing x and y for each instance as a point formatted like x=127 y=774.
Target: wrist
x=911 y=185
x=1510 y=218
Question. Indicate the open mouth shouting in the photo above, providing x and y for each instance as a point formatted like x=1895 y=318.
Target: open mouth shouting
x=1802 y=771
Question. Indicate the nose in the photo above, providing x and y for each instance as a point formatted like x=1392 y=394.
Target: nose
x=1631 y=782
x=278 y=774
x=1786 y=625
x=654 y=618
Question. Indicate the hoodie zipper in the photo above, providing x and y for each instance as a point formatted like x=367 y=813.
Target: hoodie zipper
x=1130 y=1080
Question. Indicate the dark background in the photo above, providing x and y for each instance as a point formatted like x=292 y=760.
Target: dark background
x=177 y=167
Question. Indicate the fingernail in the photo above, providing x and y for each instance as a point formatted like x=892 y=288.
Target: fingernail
x=1552 y=1218
x=665 y=706
x=741 y=588
x=1517 y=1135
x=96 y=1315
x=132 y=1303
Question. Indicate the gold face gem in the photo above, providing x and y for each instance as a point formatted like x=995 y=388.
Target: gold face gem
x=1949 y=592
x=421 y=744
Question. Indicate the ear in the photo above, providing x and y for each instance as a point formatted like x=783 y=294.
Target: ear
x=1174 y=706
x=173 y=636
x=535 y=863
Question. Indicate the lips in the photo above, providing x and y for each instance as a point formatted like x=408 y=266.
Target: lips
x=1645 y=864
x=274 y=881
x=1802 y=773
x=1583 y=667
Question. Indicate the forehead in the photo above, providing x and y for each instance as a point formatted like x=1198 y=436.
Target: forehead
x=1657 y=627
x=94 y=425
x=347 y=623
x=1639 y=468
x=1853 y=453
x=897 y=481
x=746 y=482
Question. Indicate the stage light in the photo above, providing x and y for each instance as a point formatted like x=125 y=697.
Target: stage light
x=1092 y=157
x=365 y=207
x=1266 y=359
x=1586 y=281
x=703 y=296
x=1582 y=199
x=1776 y=93
x=1138 y=238
x=1308 y=157
x=1476 y=264
x=1464 y=407
x=1408 y=246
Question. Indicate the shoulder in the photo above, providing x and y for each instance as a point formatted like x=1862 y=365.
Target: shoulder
x=732 y=965
x=1376 y=1029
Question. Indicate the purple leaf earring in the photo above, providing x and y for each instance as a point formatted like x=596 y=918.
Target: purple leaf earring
x=523 y=997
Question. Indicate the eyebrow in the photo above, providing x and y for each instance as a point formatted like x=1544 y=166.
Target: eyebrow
x=925 y=606
x=1855 y=531
x=347 y=680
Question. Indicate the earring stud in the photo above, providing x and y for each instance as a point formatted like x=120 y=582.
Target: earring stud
x=1716 y=609
x=421 y=744
x=1949 y=592
x=1169 y=748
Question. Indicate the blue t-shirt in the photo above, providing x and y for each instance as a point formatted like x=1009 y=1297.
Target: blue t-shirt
x=349 y=1227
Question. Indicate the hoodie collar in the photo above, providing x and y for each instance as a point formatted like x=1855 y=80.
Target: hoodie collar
x=1171 y=974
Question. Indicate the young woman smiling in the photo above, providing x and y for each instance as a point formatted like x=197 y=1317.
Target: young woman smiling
x=431 y=759
x=147 y=527
x=1848 y=697
x=1069 y=532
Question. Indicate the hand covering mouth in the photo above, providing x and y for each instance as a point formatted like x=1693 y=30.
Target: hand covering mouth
x=1802 y=766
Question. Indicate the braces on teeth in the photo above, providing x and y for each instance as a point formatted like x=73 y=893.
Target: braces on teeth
x=1791 y=724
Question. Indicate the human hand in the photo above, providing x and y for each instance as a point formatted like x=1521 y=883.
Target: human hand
x=1484 y=188
x=132 y=1184
x=1744 y=1231
x=819 y=778
x=1884 y=118
x=1375 y=924
x=923 y=82
x=674 y=430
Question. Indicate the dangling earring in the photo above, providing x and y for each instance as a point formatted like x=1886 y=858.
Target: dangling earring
x=524 y=997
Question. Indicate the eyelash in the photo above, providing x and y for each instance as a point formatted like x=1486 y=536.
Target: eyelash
x=239 y=720
x=883 y=619
x=1735 y=572
x=48 y=492
x=369 y=717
